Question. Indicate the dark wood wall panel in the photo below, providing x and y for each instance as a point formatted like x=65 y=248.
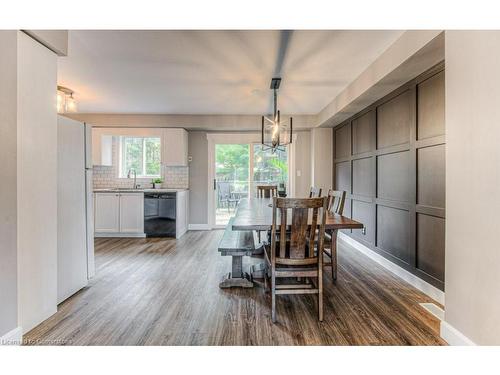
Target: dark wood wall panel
x=364 y=213
x=343 y=176
x=393 y=176
x=431 y=176
x=430 y=245
x=363 y=133
x=393 y=228
x=343 y=141
x=390 y=159
x=363 y=182
x=431 y=107
x=394 y=121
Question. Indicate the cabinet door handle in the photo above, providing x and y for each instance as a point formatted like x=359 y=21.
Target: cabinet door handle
x=215 y=184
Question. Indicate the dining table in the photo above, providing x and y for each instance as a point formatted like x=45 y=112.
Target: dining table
x=256 y=214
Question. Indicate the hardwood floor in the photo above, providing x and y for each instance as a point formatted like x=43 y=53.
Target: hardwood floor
x=165 y=292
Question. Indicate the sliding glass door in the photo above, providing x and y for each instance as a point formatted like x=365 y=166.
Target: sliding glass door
x=232 y=165
x=238 y=164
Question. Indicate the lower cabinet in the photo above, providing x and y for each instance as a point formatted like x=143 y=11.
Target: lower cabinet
x=107 y=213
x=131 y=213
x=119 y=214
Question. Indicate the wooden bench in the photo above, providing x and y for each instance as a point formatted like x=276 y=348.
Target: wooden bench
x=237 y=244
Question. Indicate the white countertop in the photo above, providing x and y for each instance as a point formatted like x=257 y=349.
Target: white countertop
x=127 y=190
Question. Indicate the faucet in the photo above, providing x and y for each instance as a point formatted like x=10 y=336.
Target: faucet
x=130 y=171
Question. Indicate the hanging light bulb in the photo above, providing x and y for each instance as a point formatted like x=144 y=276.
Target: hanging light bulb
x=70 y=104
x=65 y=100
x=61 y=101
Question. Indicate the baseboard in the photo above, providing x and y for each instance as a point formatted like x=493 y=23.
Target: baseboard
x=13 y=337
x=199 y=227
x=120 y=235
x=453 y=336
x=423 y=286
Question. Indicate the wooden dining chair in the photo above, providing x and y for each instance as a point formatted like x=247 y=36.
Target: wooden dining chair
x=296 y=257
x=314 y=192
x=336 y=200
x=267 y=191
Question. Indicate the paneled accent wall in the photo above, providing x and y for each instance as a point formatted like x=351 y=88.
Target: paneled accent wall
x=390 y=158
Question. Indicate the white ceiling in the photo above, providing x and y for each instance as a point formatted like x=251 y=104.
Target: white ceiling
x=214 y=72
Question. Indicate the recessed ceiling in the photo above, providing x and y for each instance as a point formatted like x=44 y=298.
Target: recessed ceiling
x=214 y=72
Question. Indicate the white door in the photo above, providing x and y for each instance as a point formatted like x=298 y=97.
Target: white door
x=131 y=213
x=107 y=213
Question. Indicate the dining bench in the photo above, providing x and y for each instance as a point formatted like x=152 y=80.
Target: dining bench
x=237 y=244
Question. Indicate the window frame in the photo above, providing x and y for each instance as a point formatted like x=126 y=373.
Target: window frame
x=123 y=173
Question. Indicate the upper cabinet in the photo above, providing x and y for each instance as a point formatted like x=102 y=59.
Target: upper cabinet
x=102 y=148
x=174 y=147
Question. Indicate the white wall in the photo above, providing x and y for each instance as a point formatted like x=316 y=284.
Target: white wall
x=322 y=158
x=473 y=186
x=36 y=182
x=8 y=171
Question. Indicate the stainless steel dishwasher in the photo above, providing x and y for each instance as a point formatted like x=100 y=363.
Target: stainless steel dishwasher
x=160 y=214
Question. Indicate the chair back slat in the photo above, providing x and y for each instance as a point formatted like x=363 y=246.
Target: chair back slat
x=283 y=232
x=302 y=229
x=336 y=201
x=315 y=192
x=267 y=191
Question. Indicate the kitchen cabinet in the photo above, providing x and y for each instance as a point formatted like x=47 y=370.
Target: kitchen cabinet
x=119 y=214
x=102 y=148
x=131 y=213
x=174 y=147
x=107 y=213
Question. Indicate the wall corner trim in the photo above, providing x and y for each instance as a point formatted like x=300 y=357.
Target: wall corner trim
x=453 y=336
x=13 y=337
x=423 y=286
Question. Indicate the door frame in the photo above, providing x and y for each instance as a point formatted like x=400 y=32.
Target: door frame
x=240 y=138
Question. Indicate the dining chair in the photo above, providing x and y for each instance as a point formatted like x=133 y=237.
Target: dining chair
x=336 y=200
x=267 y=191
x=296 y=257
x=314 y=192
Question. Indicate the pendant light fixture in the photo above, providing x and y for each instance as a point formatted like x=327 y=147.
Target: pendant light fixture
x=276 y=133
x=65 y=101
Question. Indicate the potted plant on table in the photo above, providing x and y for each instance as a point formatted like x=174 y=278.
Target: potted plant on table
x=156 y=183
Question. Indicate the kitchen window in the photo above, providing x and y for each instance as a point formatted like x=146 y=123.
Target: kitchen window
x=141 y=154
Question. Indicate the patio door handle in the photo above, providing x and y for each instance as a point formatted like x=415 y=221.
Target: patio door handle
x=215 y=184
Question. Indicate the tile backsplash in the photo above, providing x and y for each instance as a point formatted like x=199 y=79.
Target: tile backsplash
x=107 y=176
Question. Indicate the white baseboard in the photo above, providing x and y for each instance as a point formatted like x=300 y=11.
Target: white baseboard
x=423 y=286
x=120 y=235
x=453 y=336
x=199 y=227
x=13 y=337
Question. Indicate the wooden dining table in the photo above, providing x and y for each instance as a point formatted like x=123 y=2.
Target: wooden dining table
x=256 y=214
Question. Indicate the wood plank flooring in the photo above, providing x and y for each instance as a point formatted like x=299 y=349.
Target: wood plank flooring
x=165 y=292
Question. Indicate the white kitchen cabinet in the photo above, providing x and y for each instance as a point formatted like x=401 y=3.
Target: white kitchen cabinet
x=182 y=204
x=119 y=214
x=174 y=147
x=131 y=213
x=102 y=148
x=107 y=213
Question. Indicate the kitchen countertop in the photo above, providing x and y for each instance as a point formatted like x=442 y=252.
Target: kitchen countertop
x=125 y=190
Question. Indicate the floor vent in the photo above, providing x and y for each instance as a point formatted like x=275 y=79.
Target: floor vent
x=434 y=309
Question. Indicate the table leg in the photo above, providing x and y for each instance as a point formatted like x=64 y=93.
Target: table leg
x=236 y=278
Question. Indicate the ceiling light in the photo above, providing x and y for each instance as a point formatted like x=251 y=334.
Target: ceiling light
x=65 y=101
x=276 y=133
